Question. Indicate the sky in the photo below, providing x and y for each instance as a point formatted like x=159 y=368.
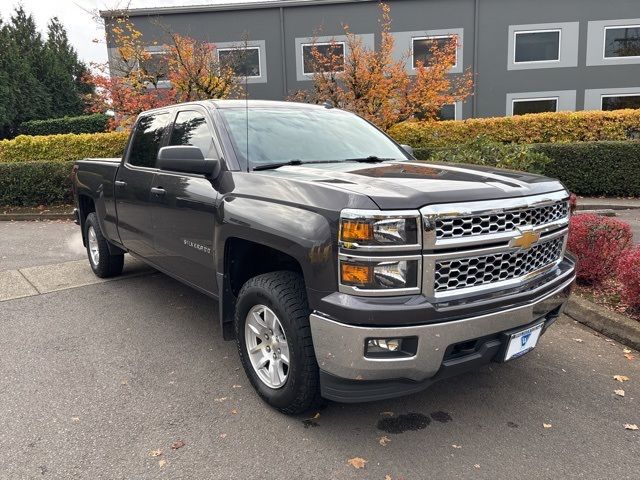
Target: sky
x=78 y=18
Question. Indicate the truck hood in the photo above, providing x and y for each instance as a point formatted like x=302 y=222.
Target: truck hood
x=401 y=185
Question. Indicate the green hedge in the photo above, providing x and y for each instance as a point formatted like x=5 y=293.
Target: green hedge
x=586 y=168
x=83 y=124
x=539 y=128
x=62 y=148
x=35 y=183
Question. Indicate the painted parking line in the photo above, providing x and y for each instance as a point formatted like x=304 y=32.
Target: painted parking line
x=60 y=276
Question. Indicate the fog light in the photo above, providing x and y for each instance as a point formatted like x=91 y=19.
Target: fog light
x=381 y=345
x=391 y=347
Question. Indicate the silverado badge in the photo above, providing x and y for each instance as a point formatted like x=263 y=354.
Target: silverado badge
x=525 y=240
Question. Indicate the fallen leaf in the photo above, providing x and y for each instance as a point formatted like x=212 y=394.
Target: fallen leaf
x=456 y=446
x=177 y=444
x=386 y=414
x=621 y=378
x=631 y=426
x=628 y=356
x=384 y=441
x=626 y=350
x=75 y=419
x=162 y=462
x=221 y=399
x=579 y=340
x=357 y=462
x=547 y=425
x=236 y=386
x=223 y=435
x=620 y=392
x=155 y=453
x=316 y=416
x=476 y=466
x=234 y=412
x=387 y=477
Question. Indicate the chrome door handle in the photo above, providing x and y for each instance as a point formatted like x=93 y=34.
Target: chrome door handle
x=158 y=191
x=120 y=183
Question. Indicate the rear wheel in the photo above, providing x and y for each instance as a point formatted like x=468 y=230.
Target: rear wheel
x=274 y=341
x=103 y=263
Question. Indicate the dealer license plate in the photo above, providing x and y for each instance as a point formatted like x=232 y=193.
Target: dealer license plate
x=523 y=342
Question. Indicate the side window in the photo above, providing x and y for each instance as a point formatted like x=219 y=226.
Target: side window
x=190 y=128
x=146 y=140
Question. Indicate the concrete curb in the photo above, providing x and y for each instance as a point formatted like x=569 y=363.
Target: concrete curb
x=606 y=206
x=605 y=212
x=7 y=217
x=600 y=319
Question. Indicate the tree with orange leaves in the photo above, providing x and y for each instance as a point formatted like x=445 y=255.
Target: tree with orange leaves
x=376 y=86
x=181 y=70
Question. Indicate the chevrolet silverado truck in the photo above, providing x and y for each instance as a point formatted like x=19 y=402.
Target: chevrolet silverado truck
x=343 y=268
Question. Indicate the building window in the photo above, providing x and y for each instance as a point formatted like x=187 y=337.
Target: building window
x=243 y=61
x=447 y=112
x=537 y=46
x=622 y=41
x=156 y=65
x=329 y=57
x=421 y=48
x=534 y=105
x=618 y=102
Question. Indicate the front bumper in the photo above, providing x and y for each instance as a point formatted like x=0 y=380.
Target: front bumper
x=348 y=376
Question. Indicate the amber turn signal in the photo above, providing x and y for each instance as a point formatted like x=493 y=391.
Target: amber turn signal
x=351 y=274
x=354 y=230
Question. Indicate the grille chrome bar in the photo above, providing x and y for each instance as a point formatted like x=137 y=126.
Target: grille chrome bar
x=475 y=223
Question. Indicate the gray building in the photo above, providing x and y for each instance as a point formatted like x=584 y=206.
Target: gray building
x=526 y=55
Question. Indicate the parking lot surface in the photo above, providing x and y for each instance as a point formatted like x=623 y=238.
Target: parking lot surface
x=100 y=380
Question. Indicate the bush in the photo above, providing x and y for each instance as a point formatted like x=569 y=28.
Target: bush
x=35 y=183
x=595 y=168
x=538 y=128
x=629 y=276
x=62 y=148
x=94 y=123
x=482 y=151
x=597 y=242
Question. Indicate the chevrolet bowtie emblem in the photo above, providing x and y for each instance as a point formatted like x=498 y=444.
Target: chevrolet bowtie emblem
x=526 y=240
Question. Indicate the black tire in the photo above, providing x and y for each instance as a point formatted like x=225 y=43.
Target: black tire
x=107 y=264
x=284 y=293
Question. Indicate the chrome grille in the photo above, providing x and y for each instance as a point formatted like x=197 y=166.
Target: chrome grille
x=465 y=226
x=487 y=269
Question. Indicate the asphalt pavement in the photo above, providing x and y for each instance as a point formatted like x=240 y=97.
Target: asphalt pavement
x=99 y=381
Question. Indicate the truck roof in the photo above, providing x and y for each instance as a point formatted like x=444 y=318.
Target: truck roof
x=239 y=104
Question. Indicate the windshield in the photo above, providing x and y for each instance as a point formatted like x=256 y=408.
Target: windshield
x=305 y=135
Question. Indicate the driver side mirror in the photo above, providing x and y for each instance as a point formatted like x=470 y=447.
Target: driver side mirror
x=408 y=149
x=187 y=159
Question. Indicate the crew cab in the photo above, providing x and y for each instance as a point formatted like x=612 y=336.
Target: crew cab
x=343 y=268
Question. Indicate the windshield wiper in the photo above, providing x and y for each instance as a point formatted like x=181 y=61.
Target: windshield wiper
x=369 y=159
x=269 y=166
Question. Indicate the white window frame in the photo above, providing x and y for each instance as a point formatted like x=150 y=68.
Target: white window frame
x=433 y=37
x=610 y=95
x=534 y=99
x=455 y=111
x=249 y=47
x=604 y=43
x=537 y=62
x=344 y=53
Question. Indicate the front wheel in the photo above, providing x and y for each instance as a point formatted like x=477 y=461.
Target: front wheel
x=103 y=263
x=274 y=341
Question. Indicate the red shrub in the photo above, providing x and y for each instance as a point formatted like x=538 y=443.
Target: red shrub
x=597 y=242
x=629 y=276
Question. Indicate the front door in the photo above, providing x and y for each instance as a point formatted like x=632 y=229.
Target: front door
x=184 y=208
x=133 y=184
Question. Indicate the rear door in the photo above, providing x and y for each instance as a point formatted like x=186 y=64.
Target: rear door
x=133 y=184
x=184 y=206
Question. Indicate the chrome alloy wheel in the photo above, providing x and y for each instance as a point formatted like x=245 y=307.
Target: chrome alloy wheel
x=267 y=346
x=94 y=251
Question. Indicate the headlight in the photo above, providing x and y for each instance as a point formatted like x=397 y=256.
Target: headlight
x=379 y=274
x=379 y=230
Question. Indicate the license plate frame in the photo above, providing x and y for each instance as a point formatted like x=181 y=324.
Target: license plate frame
x=517 y=346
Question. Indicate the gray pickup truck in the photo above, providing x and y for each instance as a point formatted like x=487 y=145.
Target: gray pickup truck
x=343 y=267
